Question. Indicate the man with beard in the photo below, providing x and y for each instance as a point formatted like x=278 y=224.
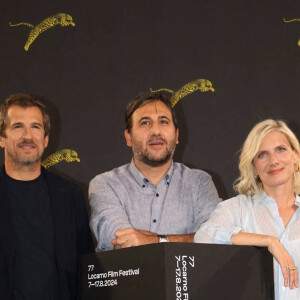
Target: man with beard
x=43 y=220
x=152 y=199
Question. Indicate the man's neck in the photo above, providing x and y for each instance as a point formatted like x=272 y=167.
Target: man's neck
x=154 y=174
x=24 y=173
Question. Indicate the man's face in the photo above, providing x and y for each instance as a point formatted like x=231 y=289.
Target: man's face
x=153 y=136
x=25 y=139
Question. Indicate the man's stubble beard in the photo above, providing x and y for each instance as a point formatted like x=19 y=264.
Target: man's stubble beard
x=21 y=160
x=147 y=158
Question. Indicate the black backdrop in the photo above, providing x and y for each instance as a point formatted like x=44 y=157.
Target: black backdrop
x=87 y=73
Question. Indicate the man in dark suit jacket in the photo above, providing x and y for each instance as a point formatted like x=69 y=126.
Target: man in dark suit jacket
x=43 y=220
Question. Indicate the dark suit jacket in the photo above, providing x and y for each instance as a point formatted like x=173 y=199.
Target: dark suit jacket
x=72 y=237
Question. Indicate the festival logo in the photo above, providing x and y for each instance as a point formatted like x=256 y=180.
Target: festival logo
x=67 y=155
x=58 y=19
x=202 y=85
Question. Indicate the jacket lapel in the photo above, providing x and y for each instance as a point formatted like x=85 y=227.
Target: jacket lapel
x=62 y=218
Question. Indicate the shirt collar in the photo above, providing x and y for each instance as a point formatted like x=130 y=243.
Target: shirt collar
x=142 y=180
x=263 y=197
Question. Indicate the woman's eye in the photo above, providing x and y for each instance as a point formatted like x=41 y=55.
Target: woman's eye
x=281 y=149
x=261 y=155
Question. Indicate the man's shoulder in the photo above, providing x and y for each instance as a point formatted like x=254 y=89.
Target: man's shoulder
x=184 y=171
x=59 y=182
x=114 y=175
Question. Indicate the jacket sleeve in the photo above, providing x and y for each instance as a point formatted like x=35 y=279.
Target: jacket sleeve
x=84 y=237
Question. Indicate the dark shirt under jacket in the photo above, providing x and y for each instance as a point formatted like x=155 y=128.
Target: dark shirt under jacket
x=34 y=262
x=70 y=232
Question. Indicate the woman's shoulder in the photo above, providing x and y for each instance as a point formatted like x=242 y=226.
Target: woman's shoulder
x=239 y=201
x=238 y=198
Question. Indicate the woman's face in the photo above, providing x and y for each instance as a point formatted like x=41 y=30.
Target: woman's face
x=275 y=160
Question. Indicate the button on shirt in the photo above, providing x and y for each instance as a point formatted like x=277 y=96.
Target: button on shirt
x=258 y=214
x=125 y=198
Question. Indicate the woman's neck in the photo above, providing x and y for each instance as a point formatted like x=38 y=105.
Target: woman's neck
x=283 y=195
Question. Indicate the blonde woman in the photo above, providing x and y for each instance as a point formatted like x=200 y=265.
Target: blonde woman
x=266 y=211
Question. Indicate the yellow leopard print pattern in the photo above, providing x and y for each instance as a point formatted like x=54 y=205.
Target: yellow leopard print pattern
x=67 y=155
x=292 y=20
x=203 y=85
x=58 y=19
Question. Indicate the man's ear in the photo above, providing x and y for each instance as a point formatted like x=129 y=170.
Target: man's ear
x=177 y=136
x=127 y=138
x=46 y=141
x=2 y=144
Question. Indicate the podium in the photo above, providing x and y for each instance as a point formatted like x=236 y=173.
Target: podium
x=179 y=271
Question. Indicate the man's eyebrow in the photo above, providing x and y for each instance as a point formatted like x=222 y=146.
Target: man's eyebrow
x=16 y=123
x=37 y=123
x=144 y=118
x=22 y=123
x=148 y=118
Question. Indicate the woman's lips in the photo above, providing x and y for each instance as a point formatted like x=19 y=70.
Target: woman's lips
x=276 y=171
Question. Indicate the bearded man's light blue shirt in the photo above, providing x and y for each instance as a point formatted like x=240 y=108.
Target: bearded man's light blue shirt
x=125 y=198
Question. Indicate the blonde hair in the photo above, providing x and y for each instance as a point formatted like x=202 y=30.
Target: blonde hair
x=248 y=183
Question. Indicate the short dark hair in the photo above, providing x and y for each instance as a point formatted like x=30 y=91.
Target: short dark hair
x=23 y=101
x=145 y=98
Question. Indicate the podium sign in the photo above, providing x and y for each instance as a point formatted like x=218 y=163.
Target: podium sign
x=179 y=271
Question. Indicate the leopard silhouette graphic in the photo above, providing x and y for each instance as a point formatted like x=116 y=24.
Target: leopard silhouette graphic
x=58 y=19
x=67 y=155
x=203 y=85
